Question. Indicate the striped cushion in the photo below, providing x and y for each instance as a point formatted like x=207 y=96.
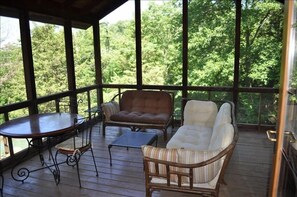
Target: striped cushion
x=202 y=174
x=161 y=154
x=110 y=108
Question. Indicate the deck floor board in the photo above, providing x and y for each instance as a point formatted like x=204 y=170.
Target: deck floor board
x=247 y=174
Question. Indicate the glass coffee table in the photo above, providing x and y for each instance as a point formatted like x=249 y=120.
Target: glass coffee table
x=133 y=140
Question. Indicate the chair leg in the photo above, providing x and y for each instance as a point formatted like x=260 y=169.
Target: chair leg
x=165 y=135
x=103 y=129
x=77 y=169
x=148 y=192
x=94 y=161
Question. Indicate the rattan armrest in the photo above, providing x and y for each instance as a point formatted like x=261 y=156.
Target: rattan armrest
x=172 y=166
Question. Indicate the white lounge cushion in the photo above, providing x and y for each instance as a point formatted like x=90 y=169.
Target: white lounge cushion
x=221 y=137
x=223 y=116
x=201 y=113
x=191 y=137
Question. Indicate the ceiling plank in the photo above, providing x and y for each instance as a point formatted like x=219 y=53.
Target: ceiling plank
x=81 y=11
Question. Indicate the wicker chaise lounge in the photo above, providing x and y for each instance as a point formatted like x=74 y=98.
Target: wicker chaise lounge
x=195 y=158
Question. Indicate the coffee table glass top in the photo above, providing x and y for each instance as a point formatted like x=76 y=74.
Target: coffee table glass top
x=135 y=139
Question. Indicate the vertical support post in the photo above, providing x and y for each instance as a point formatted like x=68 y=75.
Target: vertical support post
x=89 y=104
x=70 y=65
x=138 y=44
x=259 y=112
x=185 y=49
x=57 y=103
x=97 y=59
x=237 y=54
x=7 y=149
x=28 y=61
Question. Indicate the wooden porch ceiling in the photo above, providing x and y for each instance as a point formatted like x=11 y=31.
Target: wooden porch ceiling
x=82 y=13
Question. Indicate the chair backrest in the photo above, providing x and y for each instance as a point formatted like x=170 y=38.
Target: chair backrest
x=68 y=104
x=83 y=135
x=147 y=101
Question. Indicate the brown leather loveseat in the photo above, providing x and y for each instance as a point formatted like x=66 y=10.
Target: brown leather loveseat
x=140 y=109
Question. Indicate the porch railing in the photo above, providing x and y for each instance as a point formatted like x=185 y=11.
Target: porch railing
x=262 y=101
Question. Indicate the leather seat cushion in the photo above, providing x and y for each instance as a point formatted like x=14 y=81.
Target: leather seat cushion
x=140 y=117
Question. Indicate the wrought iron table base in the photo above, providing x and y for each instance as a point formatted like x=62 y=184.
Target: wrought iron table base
x=23 y=173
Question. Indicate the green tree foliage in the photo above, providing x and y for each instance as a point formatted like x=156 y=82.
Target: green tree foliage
x=12 y=83
x=118 y=52
x=84 y=57
x=49 y=59
x=261 y=43
x=211 y=42
x=211 y=51
x=161 y=44
x=260 y=60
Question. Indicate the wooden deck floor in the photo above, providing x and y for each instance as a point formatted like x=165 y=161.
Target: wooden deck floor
x=247 y=174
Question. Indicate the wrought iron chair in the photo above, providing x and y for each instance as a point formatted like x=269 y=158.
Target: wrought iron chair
x=77 y=145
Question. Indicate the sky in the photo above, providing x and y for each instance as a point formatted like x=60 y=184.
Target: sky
x=9 y=29
x=124 y=12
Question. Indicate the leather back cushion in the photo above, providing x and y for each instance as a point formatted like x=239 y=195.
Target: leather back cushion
x=155 y=102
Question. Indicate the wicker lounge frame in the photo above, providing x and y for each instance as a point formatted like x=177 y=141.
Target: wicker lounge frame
x=189 y=188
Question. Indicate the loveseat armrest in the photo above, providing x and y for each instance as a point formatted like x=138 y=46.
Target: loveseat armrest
x=109 y=108
x=161 y=173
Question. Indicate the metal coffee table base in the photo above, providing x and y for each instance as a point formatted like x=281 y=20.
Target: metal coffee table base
x=133 y=140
